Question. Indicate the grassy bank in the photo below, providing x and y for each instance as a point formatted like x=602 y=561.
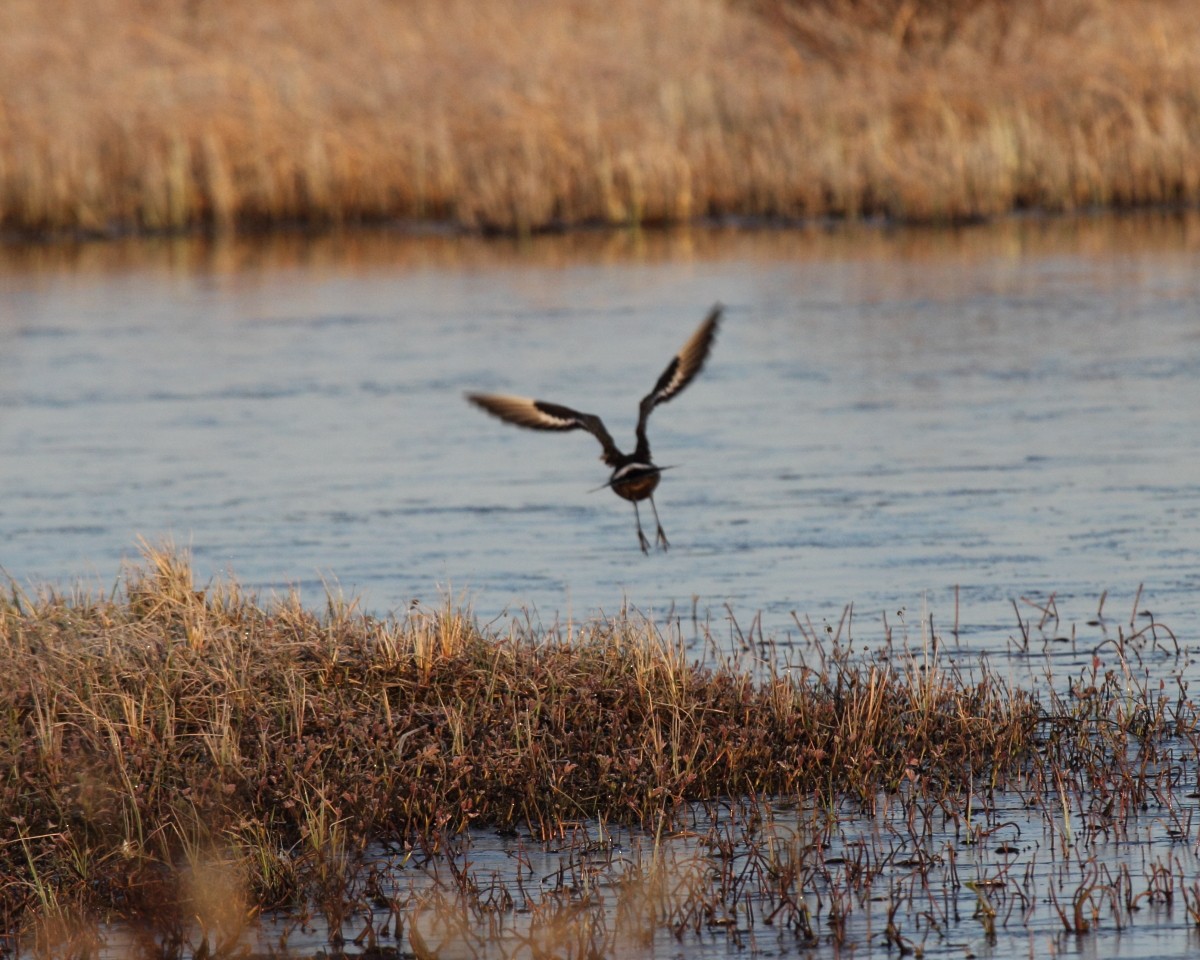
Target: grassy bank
x=142 y=733
x=519 y=116
x=168 y=741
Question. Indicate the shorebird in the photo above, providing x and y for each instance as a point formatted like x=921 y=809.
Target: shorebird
x=634 y=475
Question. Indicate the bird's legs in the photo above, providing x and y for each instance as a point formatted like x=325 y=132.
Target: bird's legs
x=641 y=536
x=662 y=537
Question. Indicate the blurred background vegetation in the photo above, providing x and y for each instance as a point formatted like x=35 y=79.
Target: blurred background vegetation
x=527 y=115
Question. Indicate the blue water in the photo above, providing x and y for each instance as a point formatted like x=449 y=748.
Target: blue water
x=888 y=418
x=968 y=426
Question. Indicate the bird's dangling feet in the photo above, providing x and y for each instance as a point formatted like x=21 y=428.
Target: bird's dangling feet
x=641 y=536
x=662 y=536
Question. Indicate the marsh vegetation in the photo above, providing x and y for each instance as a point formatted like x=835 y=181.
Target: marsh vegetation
x=170 y=740
x=518 y=117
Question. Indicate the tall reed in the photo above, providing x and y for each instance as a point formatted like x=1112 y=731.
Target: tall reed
x=522 y=116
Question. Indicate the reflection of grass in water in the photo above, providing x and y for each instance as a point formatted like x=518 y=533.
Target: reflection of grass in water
x=1149 y=233
x=517 y=116
x=166 y=740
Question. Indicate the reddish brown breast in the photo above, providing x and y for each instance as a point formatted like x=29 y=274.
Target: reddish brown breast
x=637 y=486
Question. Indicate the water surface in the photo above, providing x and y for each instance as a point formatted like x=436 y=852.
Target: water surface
x=887 y=416
x=967 y=425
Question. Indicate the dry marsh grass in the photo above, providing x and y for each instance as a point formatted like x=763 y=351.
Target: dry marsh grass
x=186 y=759
x=167 y=735
x=522 y=116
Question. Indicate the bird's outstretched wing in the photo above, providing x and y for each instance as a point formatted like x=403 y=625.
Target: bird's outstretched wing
x=679 y=373
x=537 y=415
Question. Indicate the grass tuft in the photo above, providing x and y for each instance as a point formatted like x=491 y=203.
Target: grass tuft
x=170 y=731
x=169 y=739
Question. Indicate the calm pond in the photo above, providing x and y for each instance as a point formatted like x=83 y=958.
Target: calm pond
x=960 y=424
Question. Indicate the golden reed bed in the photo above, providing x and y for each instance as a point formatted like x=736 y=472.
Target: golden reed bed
x=146 y=730
x=519 y=115
x=182 y=759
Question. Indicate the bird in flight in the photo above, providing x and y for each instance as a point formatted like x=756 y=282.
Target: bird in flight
x=634 y=475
